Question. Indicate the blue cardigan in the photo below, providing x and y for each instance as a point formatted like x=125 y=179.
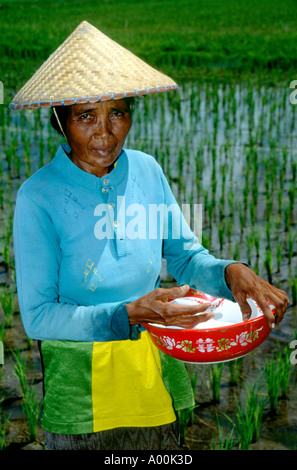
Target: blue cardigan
x=86 y=246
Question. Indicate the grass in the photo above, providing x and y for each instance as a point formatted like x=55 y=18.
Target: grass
x=226 y=441
x=3 y=427
x=31 y=405
x=7 y=302
x=205 y=39
x=235 y=371
x=273 y=382
x=32 y=408
x=248 y=420
x=285 y=370
x=215 y=377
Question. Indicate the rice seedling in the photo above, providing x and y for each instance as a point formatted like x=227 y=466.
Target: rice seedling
x=30 y=402
x=287 y=215
x=235 y=371
x=273 y=382
x=279 y=256
x=249 y=419
x=268 y=264
x=3 y=427
x=32 y=407
x=291 y=244
x=215 y=376
x=257 y=240
x=221 y=231
x=185 y=419
x=6 y=247
x=226 y=442
x=20 y=366
x=7 y=303
x=254 y=407
x=285 y=368
x=292 y=196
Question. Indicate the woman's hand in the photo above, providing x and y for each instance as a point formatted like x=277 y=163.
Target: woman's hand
x=155 y=307
x=244 y=284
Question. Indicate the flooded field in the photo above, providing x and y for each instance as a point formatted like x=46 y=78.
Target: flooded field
x=231 y=149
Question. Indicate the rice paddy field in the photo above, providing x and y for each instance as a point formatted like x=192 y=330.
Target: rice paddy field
x=226 y=140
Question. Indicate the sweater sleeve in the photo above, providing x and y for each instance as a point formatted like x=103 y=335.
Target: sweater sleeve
x=37 y=260
x=187 y=260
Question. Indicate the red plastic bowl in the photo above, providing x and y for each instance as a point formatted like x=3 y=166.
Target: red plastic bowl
x=224 y=338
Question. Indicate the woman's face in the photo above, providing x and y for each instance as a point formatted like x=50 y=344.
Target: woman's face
x=96 y=133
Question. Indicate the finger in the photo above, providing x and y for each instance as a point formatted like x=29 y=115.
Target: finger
x=267 y=312
x=176 y=309
x=280 y=301
x=245 y=308
x=176 y=292
x=190 y=322
x=172 y=293
x=171 y=314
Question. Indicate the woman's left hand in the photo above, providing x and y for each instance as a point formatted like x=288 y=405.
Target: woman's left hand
x=244 y=284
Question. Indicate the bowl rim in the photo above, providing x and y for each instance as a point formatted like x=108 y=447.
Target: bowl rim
x=214 y=328
x=259 y=318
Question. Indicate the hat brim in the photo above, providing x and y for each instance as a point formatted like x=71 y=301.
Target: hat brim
x=89 y=67
x=93 y=99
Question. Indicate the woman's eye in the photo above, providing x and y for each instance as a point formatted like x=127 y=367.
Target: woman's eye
x=85 y=116
x=117 y=113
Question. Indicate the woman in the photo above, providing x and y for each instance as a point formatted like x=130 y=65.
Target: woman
x=88 y=269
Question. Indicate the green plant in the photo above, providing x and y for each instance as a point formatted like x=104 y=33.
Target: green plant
x=7 y=303
x=215 y=376
x=268 y=264
x=254 y=408
x=235 y=369
x=273 y=381
x=3 y=427
x=227 y=442
x=249 y=418
x=32 y=408
x=285 y=368
x=20 y=366
x=30 y=402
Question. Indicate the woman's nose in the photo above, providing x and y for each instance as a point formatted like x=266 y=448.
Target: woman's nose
x=102 y=128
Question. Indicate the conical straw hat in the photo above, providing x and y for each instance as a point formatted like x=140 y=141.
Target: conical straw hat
x=89 y=67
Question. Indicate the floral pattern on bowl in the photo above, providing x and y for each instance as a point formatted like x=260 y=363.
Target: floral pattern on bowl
x=213 y=341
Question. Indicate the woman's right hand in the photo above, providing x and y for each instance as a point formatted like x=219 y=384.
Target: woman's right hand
x=156 y=307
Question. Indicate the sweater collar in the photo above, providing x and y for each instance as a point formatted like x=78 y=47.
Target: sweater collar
x=88 y=180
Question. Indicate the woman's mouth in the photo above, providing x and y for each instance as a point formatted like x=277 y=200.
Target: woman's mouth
x=102 y=151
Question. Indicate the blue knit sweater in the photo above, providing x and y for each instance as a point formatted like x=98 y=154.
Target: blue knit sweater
x=86 y=246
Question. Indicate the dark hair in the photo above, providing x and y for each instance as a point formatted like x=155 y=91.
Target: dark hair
x=63 y=111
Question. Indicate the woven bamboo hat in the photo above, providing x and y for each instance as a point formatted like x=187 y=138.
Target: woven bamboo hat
x=89 y=67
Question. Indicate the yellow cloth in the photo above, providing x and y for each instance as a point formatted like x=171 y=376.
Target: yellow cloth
x=129 y=386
